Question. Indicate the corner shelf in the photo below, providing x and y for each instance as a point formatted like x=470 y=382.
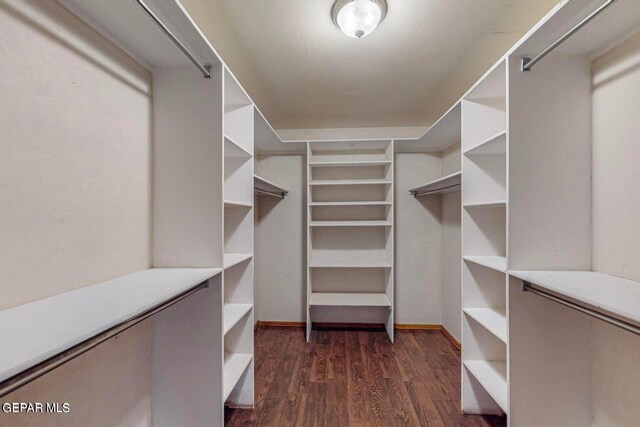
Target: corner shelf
x=497 y=263
x=446 y=184
x=263 y=187
x=494 y=145
x=235 y=364
x=491 y=319
x=233 y=313
x=493 y=377
x=233 y=259
x=349 y=299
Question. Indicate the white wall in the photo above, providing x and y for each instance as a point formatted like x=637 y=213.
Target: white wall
x=281 y=251
x=616 y=228
x=418 y=242
x=451 y=267
x=75 y=189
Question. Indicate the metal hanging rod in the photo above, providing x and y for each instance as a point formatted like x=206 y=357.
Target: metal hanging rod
x=528 y=287
x=204 y=69
x=528 y=63
x=417 y=194
x=25 y=377
x=269 y=193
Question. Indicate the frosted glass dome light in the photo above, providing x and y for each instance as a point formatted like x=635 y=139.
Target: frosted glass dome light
x=358 y=18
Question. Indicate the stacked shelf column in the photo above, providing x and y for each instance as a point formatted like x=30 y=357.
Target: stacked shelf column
x=350 y=233
x=484 y=248
x=238 y=246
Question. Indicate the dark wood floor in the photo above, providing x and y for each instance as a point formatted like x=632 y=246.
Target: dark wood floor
x=355 y=378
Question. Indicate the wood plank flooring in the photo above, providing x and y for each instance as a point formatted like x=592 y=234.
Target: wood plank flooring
x=355 y=378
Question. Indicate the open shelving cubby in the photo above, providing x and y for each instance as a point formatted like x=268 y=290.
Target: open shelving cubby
x=350 y=233
x=484 y=248
x=238 y=227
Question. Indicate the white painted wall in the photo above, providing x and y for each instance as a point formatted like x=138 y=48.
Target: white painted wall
x=281 y=251
x=418 y=242
x=75 y=114
x=451 y=268
x=616 y=229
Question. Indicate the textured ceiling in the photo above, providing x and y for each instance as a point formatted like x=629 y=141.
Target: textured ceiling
x=302 y=72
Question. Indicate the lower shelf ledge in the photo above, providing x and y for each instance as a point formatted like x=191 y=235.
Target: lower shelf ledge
x=492 y=320
x=233 y=313
x=235 y=365
x=498 y=263
x=493 y=377
x=349 y=299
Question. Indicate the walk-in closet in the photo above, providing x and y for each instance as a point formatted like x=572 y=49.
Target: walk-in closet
x=328 y=213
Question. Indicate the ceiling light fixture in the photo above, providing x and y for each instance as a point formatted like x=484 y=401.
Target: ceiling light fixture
x=358 y=18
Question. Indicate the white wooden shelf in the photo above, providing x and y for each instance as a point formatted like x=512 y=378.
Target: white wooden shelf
x=234 y=150
x=235 y=364
x=350 y=224
x=232 y=204
x=233 y=259
x=345 y=262
x=491 y=319
x=352 y=203
x=265 y=187
x=609 y=295
x=497 y=263
x=351 y=182
x=446 y=184
x=495 y=145
x=487 y=204
x=45 y=328
x=349 y=299
x=493 y=377
x=349 y=163
x=233 y=313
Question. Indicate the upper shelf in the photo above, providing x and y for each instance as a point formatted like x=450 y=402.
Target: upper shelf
x=126 y=24
x=337 y=164
x=351 y=182
x=45 y=328
x=494 y=145
x=442 y=185
x=602 y=293
x=264 y=187
x=445 y=132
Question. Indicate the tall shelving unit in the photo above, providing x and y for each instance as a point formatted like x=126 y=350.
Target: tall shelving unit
x=238 y=245
x=203 y=187
x=484 y=247
x=350 y=233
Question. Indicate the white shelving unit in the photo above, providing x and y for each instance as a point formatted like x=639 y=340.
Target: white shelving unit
x=238 y=244
x=350 y=233
x=484 y=225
